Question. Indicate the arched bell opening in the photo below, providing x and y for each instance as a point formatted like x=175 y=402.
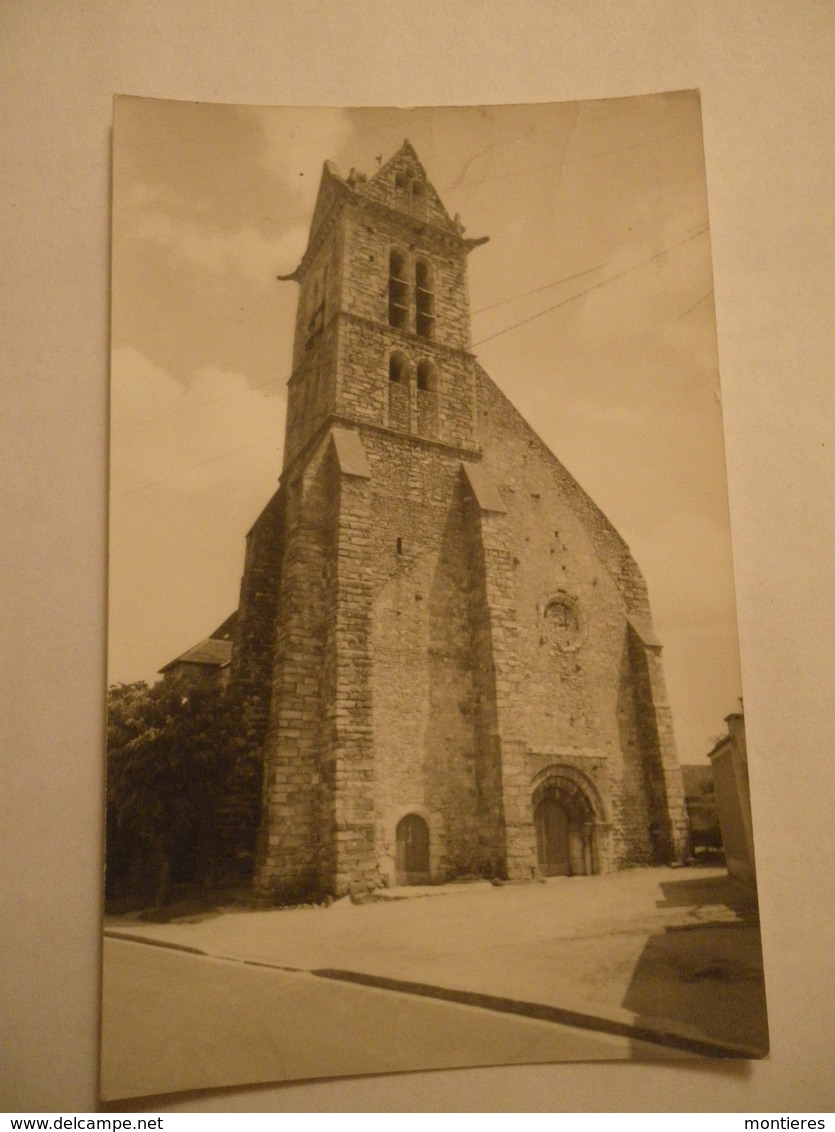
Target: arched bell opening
x=424 y=299
x=399 y=393
x=398 y=291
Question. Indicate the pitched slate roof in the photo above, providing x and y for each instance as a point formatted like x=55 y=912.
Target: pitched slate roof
x=213 y=653
x=226 y=631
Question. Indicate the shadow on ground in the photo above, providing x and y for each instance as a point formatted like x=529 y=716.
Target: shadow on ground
x=710 y=892
x=707 y=973
x=186 y=904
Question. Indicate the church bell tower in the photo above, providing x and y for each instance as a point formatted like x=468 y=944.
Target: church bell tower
x=383 y=329
x=454 y=642
x=382 y=407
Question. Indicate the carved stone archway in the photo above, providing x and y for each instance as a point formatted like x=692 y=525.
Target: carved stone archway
x=570 y=823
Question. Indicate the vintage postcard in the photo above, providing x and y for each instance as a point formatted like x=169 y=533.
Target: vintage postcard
x=426 y=744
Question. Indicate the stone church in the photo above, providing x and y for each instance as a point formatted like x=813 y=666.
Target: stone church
x=445 y=648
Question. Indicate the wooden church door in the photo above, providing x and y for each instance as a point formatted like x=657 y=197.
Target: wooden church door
x=412 y=839
x=551 y=822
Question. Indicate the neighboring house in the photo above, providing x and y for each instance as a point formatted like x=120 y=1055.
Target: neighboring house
x=702 y=812
x=208 y=660
x=729 y=761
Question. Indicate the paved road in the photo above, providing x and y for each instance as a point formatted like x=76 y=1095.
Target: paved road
x=174 y=1021
x=669 y=949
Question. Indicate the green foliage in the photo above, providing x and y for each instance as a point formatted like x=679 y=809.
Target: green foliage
x=177 y=756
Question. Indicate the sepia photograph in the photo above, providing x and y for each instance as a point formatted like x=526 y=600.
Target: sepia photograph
x=425 y=724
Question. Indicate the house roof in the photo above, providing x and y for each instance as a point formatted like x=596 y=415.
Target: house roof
x=225 y=631
x=697 y=779
x=212 y=653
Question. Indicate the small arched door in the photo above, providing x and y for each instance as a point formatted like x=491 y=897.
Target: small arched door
x=552 y=838
x=412 y=844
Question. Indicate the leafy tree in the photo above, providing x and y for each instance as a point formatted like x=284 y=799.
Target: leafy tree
x=178 y=764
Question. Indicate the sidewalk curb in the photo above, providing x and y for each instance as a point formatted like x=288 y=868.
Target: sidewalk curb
x=672 y=1039
x=657 y=1034
x=135 y=937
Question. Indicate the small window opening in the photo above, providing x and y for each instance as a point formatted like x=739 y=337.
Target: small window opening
x=398 y=291
x=426 y=377
x=418 y=201
x=397 y=368
x=401 y=191
x=423 y=274
x=424 y=299
x=400 y=546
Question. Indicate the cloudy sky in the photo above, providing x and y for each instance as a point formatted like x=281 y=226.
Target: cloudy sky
x=592 y=308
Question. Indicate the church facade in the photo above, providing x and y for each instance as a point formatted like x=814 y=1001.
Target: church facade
x=445 y=647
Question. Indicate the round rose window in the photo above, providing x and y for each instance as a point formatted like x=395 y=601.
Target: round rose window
x=563 y=626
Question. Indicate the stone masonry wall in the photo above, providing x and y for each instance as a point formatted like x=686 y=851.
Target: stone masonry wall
x=369 y=237
x=347 y=750
x=664 y=785
x=311 y=391
x=422 y=674
x=418 y=671
x=505 y=820
x=364 y=395
x=385 y=190
x=289 y=848
x=319 y=278
x=579 y=690
x=254 y=643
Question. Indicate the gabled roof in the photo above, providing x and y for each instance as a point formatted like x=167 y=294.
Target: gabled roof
x=406 y=163
x=211 y=653
x=382 y=189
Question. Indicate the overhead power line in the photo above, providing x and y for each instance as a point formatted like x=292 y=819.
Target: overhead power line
x=193 y=408
x=502 y=302
x=588 y=290
x=194 y=467
x=535 y=290
x=697 y=304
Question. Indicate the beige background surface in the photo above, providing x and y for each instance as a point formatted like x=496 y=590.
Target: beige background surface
x=765 y=73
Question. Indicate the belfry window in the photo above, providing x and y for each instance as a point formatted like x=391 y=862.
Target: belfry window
x=401 y=190
x=399 y=393
x=398 y=291
x=426 y=377
x=424 y=299
x=397 y=368
x=409 y=195
x=418 y=201
x=427 y=399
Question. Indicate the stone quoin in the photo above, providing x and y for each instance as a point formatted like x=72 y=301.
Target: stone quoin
x=445 y=648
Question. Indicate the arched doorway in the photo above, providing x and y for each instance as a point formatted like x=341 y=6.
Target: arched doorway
x=552 y=839
x=569 y=823
x=412 y=850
